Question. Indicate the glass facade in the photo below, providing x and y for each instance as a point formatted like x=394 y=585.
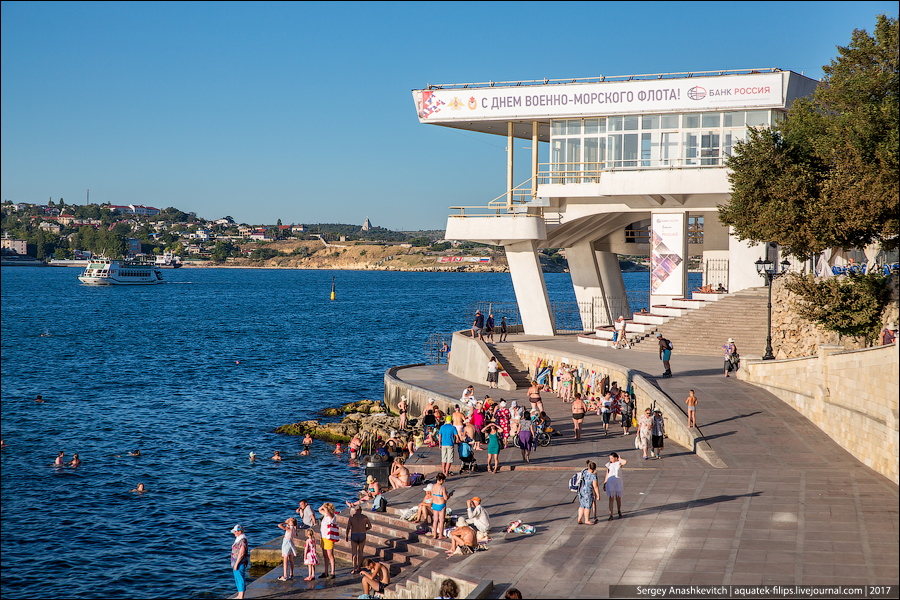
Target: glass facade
x=581 y=148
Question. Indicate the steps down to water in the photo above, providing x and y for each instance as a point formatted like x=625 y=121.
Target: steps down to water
x=698 y=326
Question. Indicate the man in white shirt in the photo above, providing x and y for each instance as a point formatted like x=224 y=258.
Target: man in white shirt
x=620 y=333
x=477 y=516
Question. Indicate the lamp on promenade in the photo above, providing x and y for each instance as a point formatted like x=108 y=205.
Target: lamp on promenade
x=766 y=268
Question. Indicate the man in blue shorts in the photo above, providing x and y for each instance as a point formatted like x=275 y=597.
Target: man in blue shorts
x=478 y=326
x=449 y=437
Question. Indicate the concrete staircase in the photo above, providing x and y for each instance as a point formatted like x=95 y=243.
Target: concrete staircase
x=511 y=362
x=703 y=327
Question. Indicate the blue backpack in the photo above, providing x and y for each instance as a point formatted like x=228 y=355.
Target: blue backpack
x=576 y=481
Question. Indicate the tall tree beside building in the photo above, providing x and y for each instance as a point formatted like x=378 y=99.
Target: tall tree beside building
x=827 y=176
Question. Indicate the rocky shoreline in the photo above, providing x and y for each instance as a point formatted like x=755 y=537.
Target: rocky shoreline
x=365 y=416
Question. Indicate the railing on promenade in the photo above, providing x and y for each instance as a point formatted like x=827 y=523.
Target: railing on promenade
x=437 y=348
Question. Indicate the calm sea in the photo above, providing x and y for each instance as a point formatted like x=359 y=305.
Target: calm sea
x=155 y=368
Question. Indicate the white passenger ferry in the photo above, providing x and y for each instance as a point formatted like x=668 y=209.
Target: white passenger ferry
x=110 y=271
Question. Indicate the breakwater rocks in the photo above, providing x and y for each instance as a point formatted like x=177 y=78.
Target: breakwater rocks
x=364 y=416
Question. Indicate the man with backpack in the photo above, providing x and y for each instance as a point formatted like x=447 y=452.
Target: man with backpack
x=665 y=353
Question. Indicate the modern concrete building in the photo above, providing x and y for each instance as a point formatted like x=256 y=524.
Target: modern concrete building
x=636 y=166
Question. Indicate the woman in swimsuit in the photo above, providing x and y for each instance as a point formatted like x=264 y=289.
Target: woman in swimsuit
x=578 y=410
x=534 y=396
x=439 y=497
x=401 y=406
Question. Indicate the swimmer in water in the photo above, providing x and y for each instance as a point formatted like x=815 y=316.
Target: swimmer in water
x=3 y=444
x=307 y=442
x=59 y=459
x=135 y=453
x=38 y=399
x=338 y=450
x=253 y=457
x=140 y=489
x=75 y=460
x=277 y=456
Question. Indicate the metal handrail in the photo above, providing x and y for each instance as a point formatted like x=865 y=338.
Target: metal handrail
x=589 y=172
x=599 y=79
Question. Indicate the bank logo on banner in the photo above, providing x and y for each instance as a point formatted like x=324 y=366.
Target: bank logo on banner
x=697 y=93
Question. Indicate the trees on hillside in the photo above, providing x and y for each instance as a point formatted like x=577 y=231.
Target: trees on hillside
x=827 y=176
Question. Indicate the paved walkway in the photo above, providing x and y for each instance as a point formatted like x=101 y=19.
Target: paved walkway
x=792 y=506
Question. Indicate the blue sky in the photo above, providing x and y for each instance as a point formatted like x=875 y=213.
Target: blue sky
x=303 y=112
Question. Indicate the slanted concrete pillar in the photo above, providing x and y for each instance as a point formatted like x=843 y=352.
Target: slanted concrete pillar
x=613 y=285
x=587 y=285
x=531 y=291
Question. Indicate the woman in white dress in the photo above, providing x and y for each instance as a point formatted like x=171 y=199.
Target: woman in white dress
x=645 y=424
x=612 y=485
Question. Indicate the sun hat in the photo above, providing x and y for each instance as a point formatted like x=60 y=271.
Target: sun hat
x=514 y=404
x=252 y=454
x=370 y=479
x=476 y=499
x=730 y=340
x=428 y=487
x=503 y=404
x=237 y=528
x=621 y=317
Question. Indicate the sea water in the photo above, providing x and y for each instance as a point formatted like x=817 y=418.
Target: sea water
x=196 y=374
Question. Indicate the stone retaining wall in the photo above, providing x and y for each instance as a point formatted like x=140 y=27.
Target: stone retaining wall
x=646 y=395
x=850 y=395
x=416 y=397
x=469 y=360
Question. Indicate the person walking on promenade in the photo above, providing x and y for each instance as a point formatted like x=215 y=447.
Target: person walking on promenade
x=612 y=485
x=288 y=551
x=357 y=526
x=578 y=410
x=310 y=557
x=621 y=339
x=534 y=396
x=477 y=422
x=606 y=411
x=692 y=409
x=458 y=418
x=526 y=437
x=449 y=438
x=731 y=356
x=645 y=423
x=478 y=326
x=565 y=387
x=665 y=354
x=627 y=404
x=330 y=534
x=588 y=493
x=489 y=327
x=502 y=417
x=658 y=432
x=240 y=559
x=493 y=432
x=492 y=373
x=439 y=498
x=504 y=329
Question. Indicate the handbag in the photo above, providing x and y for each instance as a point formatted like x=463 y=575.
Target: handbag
x=637 y=442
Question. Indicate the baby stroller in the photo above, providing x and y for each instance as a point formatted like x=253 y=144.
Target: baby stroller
x=467 y=457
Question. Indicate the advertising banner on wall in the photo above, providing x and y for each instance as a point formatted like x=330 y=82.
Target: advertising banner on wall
x=643 y=96
x=667 y=242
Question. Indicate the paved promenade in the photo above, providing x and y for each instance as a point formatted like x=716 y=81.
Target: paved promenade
x=791 y=507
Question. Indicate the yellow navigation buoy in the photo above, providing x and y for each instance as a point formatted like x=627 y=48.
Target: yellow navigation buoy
x=332 y=288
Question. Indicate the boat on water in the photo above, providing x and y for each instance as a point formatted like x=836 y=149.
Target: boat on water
x=168 y=261
x=112 y=271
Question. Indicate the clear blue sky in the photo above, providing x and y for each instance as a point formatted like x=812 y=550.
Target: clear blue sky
x=303 y=112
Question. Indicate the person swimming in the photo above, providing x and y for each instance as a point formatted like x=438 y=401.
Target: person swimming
x=135 y=453
x=252 y=456
x=277 y=456
x=75 y=460
x=59 y=459
x=338 y=449
x=140 y=489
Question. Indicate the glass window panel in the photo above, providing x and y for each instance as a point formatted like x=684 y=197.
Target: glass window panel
x=573 y=127
x=755 y=118
x=691 y=147
x=711 y=119
x=591 y=126
x=777 y=116
x=731 y=137
x=650 y=122
x=573 y=158
x=709 y=148
x=668 y=149
x=646 y=152
x=691 y=121
x=602 y=125
x=558 y=158
x=614 y=149
x=668 y=121
x=592 y=159
x=632 y=122
x=614 y=124
x=630 y=149
x=734 y=119
x=559 y=128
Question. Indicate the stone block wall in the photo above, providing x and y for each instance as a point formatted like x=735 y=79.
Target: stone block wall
x=850 y=395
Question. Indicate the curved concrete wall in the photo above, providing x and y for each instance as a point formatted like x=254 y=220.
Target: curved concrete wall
x=416 y=397
x=469 y=360
x=850 y=395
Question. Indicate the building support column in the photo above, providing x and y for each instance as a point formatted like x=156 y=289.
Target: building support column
x=531 y=291
x=534 y=159
x=509 y=166
x=613 y=285
x=587 y=285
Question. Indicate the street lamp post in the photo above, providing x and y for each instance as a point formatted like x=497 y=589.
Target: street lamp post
x=766 y=268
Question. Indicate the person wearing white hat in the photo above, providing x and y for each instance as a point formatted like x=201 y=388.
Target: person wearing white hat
x=240 y=559
x=731 y=357
x=621 y=338
x=888 y=334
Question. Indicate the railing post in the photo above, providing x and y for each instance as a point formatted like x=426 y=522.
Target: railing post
x=534 y=158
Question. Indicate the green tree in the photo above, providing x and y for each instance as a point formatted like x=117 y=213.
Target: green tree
x=827 y=176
